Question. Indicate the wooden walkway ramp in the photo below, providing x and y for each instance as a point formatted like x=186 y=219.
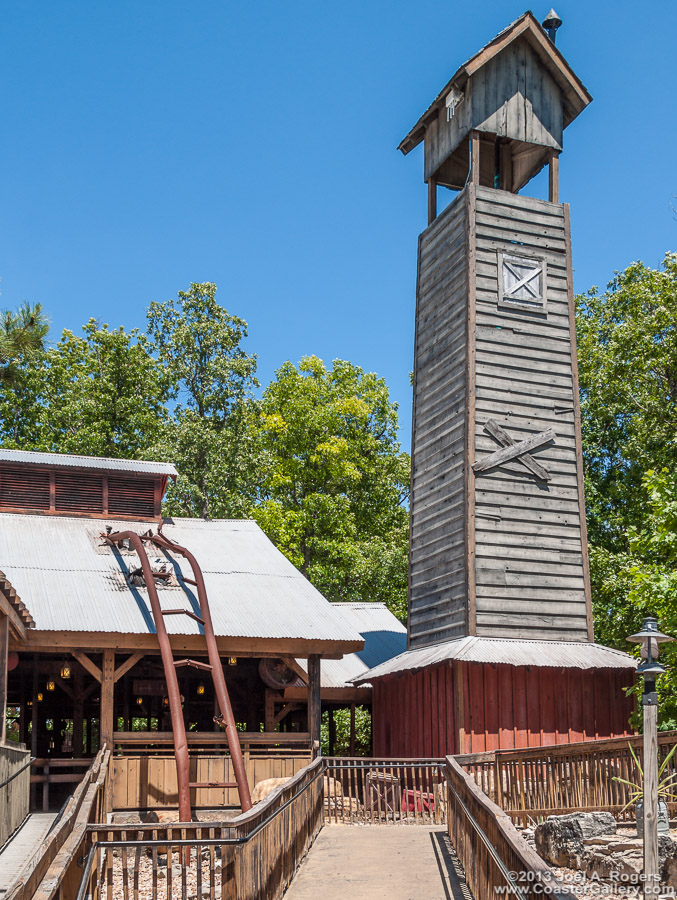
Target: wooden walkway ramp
x=20 y=853
x=378 y=862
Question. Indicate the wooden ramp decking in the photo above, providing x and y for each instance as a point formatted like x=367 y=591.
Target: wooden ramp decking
x=18 y=854
x=378 y=862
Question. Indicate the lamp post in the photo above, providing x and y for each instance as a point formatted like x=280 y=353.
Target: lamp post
x=650 y=638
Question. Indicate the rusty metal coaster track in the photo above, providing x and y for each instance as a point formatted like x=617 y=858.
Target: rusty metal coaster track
x=227 y=719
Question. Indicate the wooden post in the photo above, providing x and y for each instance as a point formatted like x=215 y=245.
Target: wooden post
x=332 y=731
x=650 y=762
x=352 y=729
x=314 y=703
x=474 y=157
x=4 y=649
x=78 y=714
x=107 y=721
x=269 y=712
x=553 y=195
x=432 y=200
x=506 y=167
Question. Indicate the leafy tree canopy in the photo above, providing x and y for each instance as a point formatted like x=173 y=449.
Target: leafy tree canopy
x=211 y=436
x=627 y=349
x=336 y=481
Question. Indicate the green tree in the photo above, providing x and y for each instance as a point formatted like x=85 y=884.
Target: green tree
x=336 y=482
x=651 y=573
x=627 y=352
x=212 y=435
x=101 y=394
x=22 y=338
x=104 y=394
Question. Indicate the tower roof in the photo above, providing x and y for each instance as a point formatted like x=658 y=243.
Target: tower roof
x=575 y=96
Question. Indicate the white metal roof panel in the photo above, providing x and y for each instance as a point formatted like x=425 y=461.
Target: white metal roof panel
x=549 y=654
x=103 y=463
x=384 y=637
x=72 y=583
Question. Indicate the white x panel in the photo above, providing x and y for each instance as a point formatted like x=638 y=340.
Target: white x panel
x=521 y=282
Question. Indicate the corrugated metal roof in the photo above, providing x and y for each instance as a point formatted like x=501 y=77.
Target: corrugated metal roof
x=104 y=463
x=384 y=637
x=72 y=583
x=550 y=654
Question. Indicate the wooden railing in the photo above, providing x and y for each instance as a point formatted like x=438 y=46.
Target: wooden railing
x=15 y=763
x=533 y=783
x=56 y=863
x=376 y=791
x=251 y=857
x=495 y=857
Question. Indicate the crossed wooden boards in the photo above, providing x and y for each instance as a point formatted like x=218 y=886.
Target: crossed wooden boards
x=518 y=450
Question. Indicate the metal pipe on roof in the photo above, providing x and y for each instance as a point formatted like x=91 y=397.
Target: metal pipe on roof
x=178 y=725
x=227 y=717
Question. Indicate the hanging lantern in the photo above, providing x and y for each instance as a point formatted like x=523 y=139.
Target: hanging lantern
x=40 y=697
x=165 y=701
x=65 y=671
x=50 y=685
x=200 y=689
x=232 y=660
x=139 y=701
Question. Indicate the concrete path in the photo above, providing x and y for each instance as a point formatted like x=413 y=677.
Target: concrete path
x=18 y=855
x=378 y=862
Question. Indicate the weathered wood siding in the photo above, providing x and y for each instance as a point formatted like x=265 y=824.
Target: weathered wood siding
x=438 y=590
x=531 y=563
x=512 y=96
x=498 y=707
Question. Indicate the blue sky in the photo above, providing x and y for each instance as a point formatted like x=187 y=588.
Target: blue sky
x=145 y=145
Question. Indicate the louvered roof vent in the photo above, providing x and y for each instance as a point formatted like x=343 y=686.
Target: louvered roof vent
x=71 y=485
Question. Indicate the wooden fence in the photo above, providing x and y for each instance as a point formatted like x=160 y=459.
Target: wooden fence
x=55 y=867
x=378 y=791
x=533 y=783
x=250 y=857
x=15 y=764
x=495 y=857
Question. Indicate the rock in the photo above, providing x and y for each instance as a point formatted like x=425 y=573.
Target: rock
x=265 y=787
x=332 y=788
x=559 y=840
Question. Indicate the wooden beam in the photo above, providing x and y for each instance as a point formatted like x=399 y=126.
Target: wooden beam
x=314 y=703
x=432 y=200
x=85 y=641
x=107 y=718
x=475 y=158
x=553 y=182
x=492 y=427
x=505 y=454
x=127 y=665
x=87 y=664
x=78 y=712
x=8 y=610
x=286 y=709
x=269 y=711
x=348 y=695
x=295 y=667
x=65 y=687
x=506 y=166
x=4 y=650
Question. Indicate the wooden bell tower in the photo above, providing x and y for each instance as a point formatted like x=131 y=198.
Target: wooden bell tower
x=498 y=537
x=501 y=651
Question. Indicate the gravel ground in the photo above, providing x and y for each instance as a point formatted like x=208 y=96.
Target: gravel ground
x=136 y=873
